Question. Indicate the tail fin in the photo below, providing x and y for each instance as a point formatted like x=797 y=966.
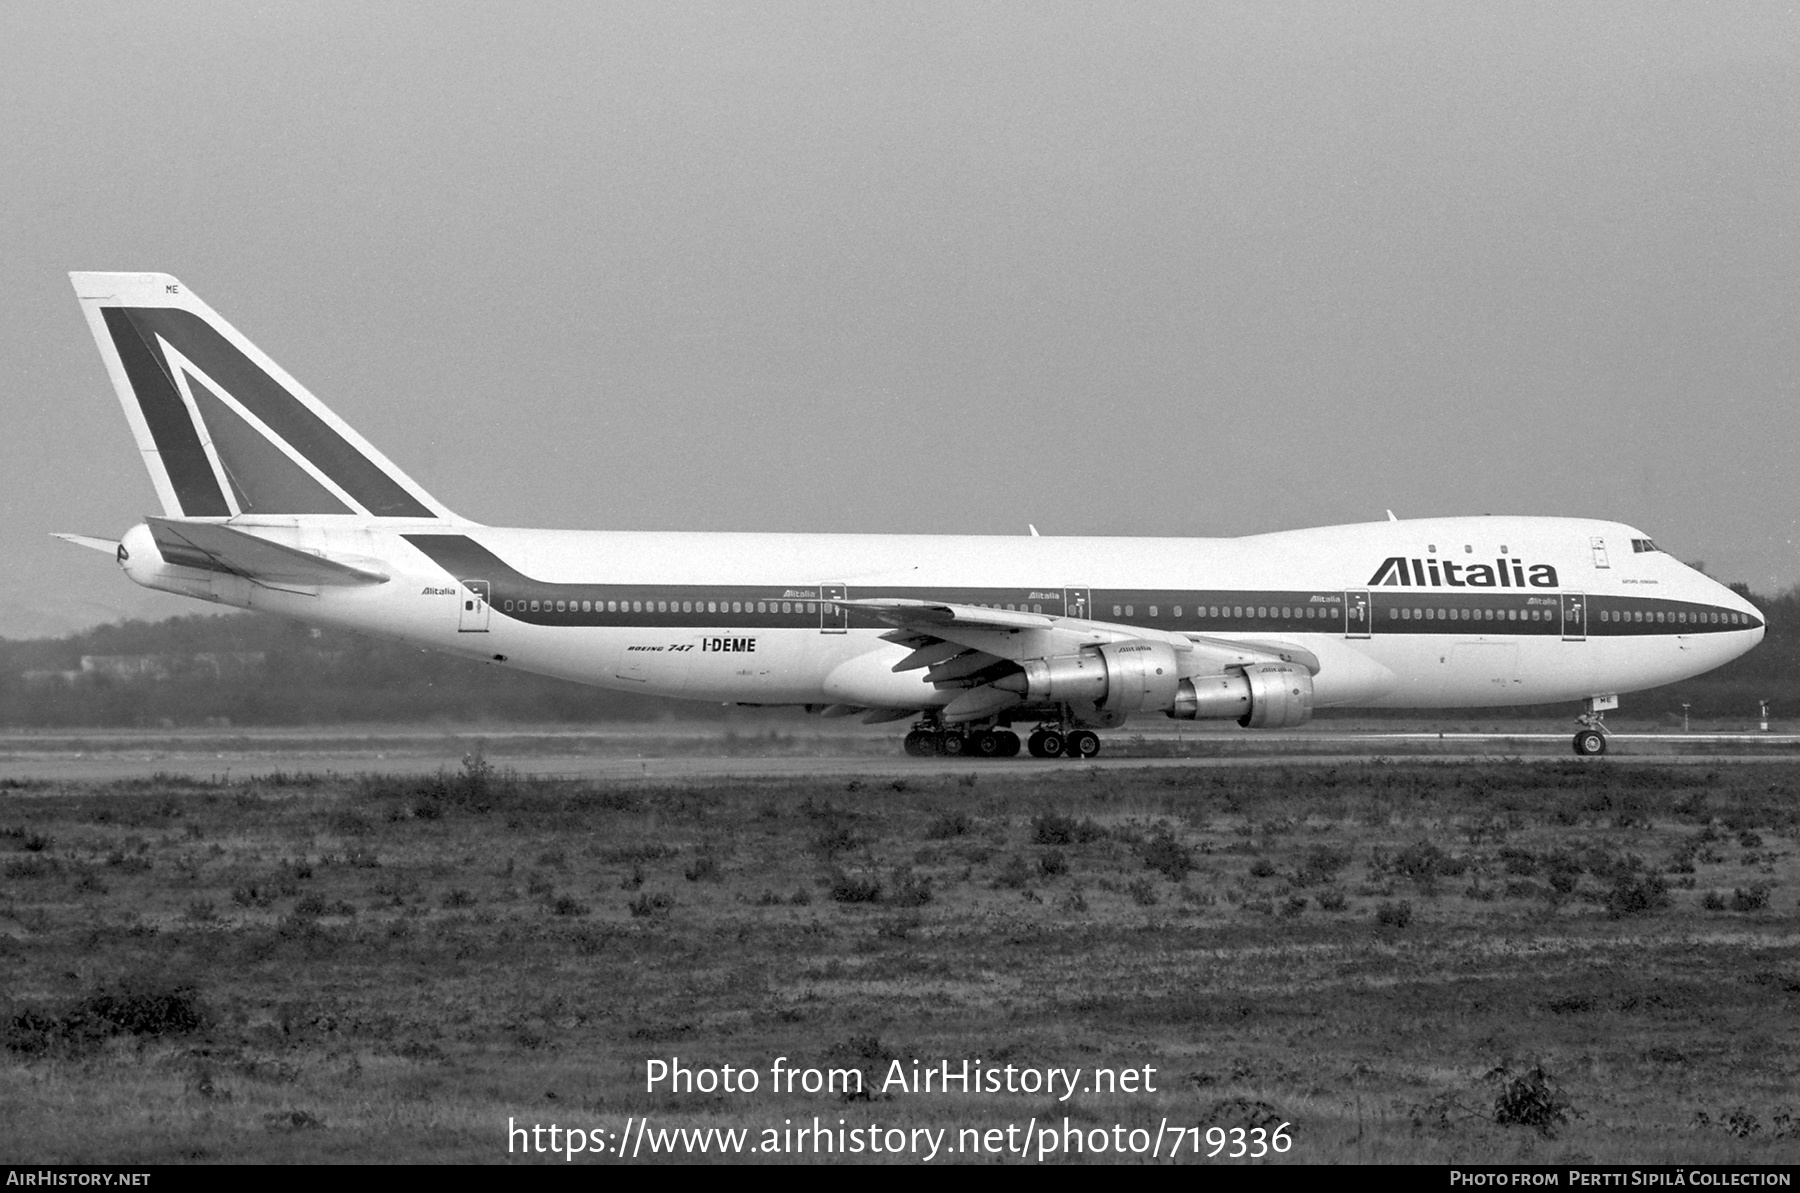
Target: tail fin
x=223 y=429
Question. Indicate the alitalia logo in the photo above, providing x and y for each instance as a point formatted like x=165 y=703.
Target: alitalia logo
x=1399 y=572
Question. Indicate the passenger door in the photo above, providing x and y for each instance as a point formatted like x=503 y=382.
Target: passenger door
x=472 y=618
x=1574 y=616
x=833 y=619
x=1358 y=619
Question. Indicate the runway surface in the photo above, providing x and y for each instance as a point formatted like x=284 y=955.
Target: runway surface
x=637 y=755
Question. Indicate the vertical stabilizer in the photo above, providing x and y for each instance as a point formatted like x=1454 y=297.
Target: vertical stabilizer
x=224 y=430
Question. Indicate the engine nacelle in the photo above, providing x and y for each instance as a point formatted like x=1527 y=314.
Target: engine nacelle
x=1266 y=696
x=1115 y=677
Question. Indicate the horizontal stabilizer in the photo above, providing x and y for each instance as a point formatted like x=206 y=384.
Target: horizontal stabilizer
x=214 y=547
x=90 y=542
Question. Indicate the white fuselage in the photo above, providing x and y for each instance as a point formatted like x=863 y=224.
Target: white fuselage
x=1441 y=612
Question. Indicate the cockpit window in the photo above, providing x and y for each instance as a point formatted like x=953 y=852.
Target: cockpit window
x=1640 y=546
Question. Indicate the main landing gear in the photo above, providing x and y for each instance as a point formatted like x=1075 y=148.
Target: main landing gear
x=1048 y=743
x=935 y=741
x=929 y=742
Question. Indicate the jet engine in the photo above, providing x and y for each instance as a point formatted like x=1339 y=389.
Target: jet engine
x=1263 y=696
x=1115 y=677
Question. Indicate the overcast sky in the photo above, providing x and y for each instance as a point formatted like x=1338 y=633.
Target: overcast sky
x=1162 y=269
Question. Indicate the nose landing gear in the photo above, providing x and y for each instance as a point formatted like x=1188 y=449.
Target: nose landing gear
x=1590 y=741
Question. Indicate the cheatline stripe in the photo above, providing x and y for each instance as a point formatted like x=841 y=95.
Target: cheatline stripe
x=774 y=606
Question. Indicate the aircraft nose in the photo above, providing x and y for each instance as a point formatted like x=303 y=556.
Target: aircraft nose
x=1727 y=599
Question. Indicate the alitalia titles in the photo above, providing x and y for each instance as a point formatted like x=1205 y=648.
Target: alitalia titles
x=1397 y=571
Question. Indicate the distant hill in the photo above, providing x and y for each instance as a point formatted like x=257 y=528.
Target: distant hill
x=250 y=670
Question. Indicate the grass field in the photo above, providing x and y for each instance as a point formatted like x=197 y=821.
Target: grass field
x=1419 y=961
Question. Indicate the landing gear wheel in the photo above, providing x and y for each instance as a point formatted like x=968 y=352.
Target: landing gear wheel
x=951 y=745
x=1009 y=743
x=1045 y=744
x=919 y=744
x=1590 y=743
x=987 y=744
x=1083 y=744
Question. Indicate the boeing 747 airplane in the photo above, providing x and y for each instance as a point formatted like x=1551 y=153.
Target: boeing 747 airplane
x=271 y=502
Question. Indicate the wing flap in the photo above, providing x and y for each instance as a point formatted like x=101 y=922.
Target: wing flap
x=215 y=547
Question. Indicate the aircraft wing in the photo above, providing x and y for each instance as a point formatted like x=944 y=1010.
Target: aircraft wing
x=966 y=648
x=947 y=613
x=216 y=547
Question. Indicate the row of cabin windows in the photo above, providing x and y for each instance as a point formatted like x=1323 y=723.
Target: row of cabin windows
x=1289 y=612
x=1263 y=611
x=805 y=607
x=1471 y=615
x=1709 y=618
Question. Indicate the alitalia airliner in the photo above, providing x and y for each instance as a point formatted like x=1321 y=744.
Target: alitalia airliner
x=271 y=502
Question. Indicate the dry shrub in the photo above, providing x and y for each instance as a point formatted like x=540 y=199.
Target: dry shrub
x=1054 y=829
x=1014 y=875
x=950 y=824
x=855 y=888
x=1321 y=865
x=1169 y=857
x=650 y=903
x=1638 y=893
x=1754 y=899
x=1532 y=1099
x=142 y=1004
x=906 y=889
